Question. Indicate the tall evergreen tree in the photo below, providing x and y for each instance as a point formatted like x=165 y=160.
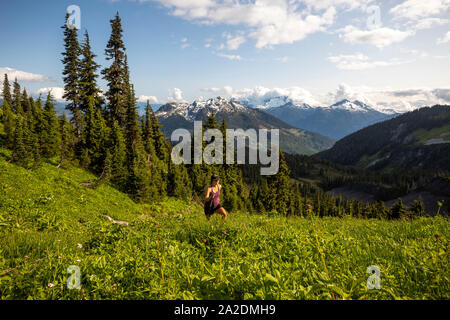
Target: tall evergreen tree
x=67 y=140
x=71 y=71
x=7 y=91
x=88 y=76
x=17 y=101
x=115 y=74
x=50 y=135
x=118 y=157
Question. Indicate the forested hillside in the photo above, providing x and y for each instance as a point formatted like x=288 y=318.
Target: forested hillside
x=417 y=139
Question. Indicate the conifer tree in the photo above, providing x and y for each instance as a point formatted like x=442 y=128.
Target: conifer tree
x=280 y=187
x=50 y=135
x=88 y=76
x=20 y=154
x=95 y=136
x=67 y=140
x=7 y=91
x=118 y=156
x=17 y=102
x=8 y=117
x=71 y=71
x=26 y=104
x=115 y=74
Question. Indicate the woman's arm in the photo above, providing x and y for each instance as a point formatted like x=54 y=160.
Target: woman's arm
x=207 y=193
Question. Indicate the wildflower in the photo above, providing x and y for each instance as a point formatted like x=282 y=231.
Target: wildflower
x=58 y=240
x=165 y=242
x=437 y=235
x=204 y=240
x=79 y=245
x=50 y=285
x=144 y=264
x=224 y=232
x=156 y=223
x=26 y=257
x=309 y=207
x=78 y=260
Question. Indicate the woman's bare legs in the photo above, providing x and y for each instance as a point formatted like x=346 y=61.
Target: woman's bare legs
x=222 y=212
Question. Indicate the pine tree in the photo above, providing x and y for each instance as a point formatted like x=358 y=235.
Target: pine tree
x=67 y=140
x=397 y=210
x=50 y=135
x=71 y=73
x=17 y=102
x=118 y=156
x=20 y=154
x=7 y=91
x=94 y=138
x=26 y=104
x=281 y=189
x=88 y=76
x=115 y=74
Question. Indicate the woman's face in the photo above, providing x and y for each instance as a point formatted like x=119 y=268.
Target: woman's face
x=215 y=182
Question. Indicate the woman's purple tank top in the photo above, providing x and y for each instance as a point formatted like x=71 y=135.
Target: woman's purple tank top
x=216 y=198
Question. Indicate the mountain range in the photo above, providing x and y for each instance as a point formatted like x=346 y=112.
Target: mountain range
x=292 y=140
x=335 y=121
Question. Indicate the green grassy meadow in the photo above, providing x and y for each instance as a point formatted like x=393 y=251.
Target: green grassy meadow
x=48 y=222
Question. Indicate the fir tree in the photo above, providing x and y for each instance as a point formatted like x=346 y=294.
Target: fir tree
x=7 y=91
x=50 y=135
x=118 y=156
x=71 y=73
x=17 y=101
x=88 y=76
x=115 y=74
x=67 y=140
x=20 y=154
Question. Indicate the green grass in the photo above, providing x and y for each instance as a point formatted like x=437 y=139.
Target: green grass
x=422 y=135
x=170 y=251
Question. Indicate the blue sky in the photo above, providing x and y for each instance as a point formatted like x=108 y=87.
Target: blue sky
x=314 y=51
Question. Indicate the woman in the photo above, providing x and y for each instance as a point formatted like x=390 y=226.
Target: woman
x=212 y=199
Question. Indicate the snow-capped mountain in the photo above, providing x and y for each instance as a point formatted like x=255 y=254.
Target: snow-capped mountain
x=335 y=121
x=292 y=140
x=198 y=109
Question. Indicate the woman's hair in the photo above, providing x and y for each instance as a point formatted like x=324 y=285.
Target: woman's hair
x=214 y=177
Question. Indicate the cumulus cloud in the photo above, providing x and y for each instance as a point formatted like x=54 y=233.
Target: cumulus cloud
x=382 y=99
x=175 y=95
x=260 y=95
x=444 y=39
x=360 y=61
x=379 y=37
x=23 y=76
x=56 y=92
x=151 y=99
x=417 y=9
x=269 y=22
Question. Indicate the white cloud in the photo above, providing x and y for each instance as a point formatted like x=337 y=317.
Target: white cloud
x=230 y=56
x=259 y=95
x=360 y=61
x=233 y=43
x=380 y=37
x=345 y=4
x=175 y=95
x=428 y=23
x=226 y=91
x=151 y=99
x=416 y=9
x=269 y=22
x=23 y=76
x=56 y=92
x=444 y=39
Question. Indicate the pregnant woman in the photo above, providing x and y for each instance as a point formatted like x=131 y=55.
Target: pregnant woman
x=212 y=199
